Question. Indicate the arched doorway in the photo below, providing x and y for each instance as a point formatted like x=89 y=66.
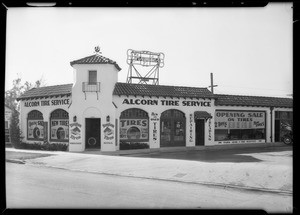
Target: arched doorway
x=172 y=124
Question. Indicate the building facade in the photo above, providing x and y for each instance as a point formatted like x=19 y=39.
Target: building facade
x=96 y=112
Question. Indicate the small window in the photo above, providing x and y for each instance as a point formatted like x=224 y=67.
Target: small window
x=92 y=77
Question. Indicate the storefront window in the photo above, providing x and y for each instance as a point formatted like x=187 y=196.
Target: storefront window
x=35 y=125
x=59 y=125
x=172 y=128
x=283 y=123
x=239 y=125
x=134 y=125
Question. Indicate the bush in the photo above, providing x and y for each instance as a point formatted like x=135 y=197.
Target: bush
x=133 y=145
x=44 y=146
x=14 y=130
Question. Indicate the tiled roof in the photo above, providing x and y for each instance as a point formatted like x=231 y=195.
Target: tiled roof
x=161 y=90
x=95 y=59
x=51 y=91
x=237 y=100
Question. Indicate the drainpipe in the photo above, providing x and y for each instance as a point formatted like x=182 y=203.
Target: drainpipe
x=271 y=112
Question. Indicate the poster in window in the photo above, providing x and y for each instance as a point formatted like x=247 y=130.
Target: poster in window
x=59 y=129
x=35 y=129
x=134 y=129
x=240 y=120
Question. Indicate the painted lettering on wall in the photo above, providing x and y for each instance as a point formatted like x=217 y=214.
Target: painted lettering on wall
x=191 y=128
x=108 y=131
x=154 y=131
x=35 y=129
x=134 y=129
x=75 y=129
x=209 y=129
x=239 y=120
x=53 y=102
x=166 y=102
x=241 y=141
x=59 y=129
x=154 y=117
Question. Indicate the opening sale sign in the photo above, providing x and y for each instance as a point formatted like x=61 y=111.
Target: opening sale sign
x=240 y=119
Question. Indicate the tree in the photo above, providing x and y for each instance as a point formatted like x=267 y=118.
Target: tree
x=18 y=89
x=15 y=132
x=11 y=101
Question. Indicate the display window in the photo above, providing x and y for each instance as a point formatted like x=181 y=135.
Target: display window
x=59 y=125
x=239 y=125
x=172 y=128
x=134 y=125
x=35 y=125
x=283 y=123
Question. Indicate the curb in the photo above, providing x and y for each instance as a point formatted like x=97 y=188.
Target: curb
x=254 y=189
x=15 y=161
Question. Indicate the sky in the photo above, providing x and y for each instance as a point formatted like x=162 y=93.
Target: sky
x=248 y=50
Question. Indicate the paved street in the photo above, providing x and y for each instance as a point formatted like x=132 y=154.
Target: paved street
x=43 y=187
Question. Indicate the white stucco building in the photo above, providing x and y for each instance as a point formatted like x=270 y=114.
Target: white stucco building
x=97 y=112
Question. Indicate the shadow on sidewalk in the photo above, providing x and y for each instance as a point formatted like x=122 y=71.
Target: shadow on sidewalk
x=226 y=155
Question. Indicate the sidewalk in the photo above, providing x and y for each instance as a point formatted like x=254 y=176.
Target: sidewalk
x=260 y=176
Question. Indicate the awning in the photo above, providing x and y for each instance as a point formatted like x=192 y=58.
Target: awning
x=202 y=115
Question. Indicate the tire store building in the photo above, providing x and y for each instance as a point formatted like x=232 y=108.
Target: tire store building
x=96 y=112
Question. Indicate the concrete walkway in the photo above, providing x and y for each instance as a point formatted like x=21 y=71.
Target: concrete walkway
x=258 y=176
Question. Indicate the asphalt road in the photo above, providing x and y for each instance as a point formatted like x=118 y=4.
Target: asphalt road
x=41 y=187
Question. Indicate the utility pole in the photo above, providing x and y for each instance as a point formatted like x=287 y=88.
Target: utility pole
x=212 y=83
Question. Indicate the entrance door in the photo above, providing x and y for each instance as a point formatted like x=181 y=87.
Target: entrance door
x=172 y=129
x=92 y=133
x=200 y=124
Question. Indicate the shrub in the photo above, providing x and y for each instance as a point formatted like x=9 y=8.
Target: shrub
x=133 y=145
x=14 y=130
x=44 y=146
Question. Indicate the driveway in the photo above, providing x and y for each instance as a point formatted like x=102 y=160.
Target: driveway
x=237 y=155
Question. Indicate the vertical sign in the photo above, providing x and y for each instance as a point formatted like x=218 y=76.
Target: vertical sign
x=46 y=131
x=209 y=129
x=191 y=128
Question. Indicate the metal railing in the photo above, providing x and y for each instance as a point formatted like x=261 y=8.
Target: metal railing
x=90 y=86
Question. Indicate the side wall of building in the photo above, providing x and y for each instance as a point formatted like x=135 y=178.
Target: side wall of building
x=46 y=107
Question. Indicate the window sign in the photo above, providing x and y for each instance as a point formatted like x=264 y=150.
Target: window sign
x=134 y=129
x=35 y=129
x=240 y=126
x=239 y=120
x=59 y=129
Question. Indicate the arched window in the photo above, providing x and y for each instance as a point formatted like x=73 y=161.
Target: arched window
x=172 y=128
x=35 y=125
x=134 y=125
x=59 y=125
